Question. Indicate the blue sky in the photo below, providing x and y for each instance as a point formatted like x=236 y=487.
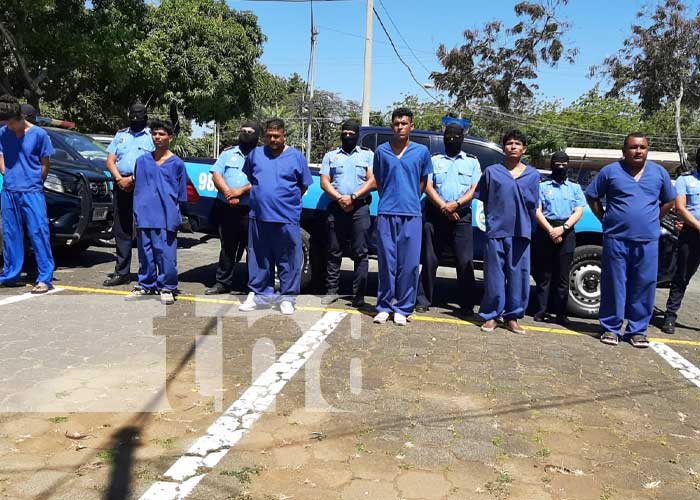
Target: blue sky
x=599 y=27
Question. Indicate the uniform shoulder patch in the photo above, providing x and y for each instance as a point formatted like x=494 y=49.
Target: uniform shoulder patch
x=686 y=173
x=365 y=148
x=123 y=130
x=469 y=155
x=226 y=149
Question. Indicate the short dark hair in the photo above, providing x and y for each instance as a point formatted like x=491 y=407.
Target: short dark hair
x=275 y=124
x=398 y=112
x=514 y=134
x=635 y=135
x=10 y=109
x=161 y=125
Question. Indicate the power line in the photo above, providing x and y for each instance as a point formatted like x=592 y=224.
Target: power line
x=391 y=20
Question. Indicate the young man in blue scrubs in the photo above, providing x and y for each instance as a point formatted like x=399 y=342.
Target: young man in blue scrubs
x=279 y=176
x=447 y=220
x=561 y=207
x=128 y=144
x=636 y=193
x=160 y=185
x=401 y=170
x=231 y=206
x=25 y=152
x=688 y=207
x=346 y=177
x=510 y=193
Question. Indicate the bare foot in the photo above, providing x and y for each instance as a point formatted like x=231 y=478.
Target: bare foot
x=515 y=327
x=489 y=326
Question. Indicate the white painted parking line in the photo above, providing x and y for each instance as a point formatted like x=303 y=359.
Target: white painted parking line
x=184 y=475
x=685 y=367
x=19 y=298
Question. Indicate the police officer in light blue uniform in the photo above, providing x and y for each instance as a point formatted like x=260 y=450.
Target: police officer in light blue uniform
x=447 y=220
x=128 y=144
x=636 y=193
x=561 y=207
x=688 y=253
x=346 y=177
x=231 y=207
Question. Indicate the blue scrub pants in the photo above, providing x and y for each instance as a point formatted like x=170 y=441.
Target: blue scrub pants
x=506 y=278
x=19 y=210
x=274 y=245
x=628 y=285
x=399 y=261
x=157 y=259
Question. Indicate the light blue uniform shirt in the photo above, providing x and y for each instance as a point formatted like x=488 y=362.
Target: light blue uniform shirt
x=689 y=185
x=399 y=178
x=348 y=171
x=230 y=166
x=558 y=201
x=452 y=177
x=127 y=146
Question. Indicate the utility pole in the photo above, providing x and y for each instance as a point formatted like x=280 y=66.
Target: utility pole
x=310 y=104
x=368 y=64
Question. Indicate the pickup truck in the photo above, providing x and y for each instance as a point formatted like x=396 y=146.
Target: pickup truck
x=584 y=279
x=78 y=193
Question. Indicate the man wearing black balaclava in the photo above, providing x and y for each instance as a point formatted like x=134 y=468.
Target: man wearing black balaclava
x=231 y=208
x=561 y=206
x=347 y=179
x=447 y=220
x=128 y=144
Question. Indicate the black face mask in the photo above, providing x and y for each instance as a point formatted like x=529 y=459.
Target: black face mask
x=559 y=174
x=453 y=144
x=349 y=142
x=248 y=140
x=138 y=117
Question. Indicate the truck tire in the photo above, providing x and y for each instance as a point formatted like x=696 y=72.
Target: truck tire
x=584 y=282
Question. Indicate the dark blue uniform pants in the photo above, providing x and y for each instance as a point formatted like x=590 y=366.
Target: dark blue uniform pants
x=506 y=278
x=551 y=265
x=123 y=229
x=343 y=228
x=20 y=210
x=438 y=234
x=628 y=285
x=399 y=261
x=687 y=265
x=274 y=246
x=157 y=259
x=233 y=233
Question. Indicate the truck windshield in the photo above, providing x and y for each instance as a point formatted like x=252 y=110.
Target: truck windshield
x=89 y=149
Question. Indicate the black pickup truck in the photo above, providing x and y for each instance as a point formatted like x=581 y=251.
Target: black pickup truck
x=78 y=192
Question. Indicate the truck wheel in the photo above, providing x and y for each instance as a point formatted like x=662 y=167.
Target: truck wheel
x=584 y=281
x=306 y=268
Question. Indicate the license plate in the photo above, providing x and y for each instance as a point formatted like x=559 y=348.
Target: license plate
x=100 y=213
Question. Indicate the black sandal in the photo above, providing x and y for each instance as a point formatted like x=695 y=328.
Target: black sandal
x=609 y=338
x=639 y=340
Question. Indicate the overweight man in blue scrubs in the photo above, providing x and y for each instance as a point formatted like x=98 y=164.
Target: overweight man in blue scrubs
x=279 y=176
x=25 y=152
x=510 y=193
x=401 y=170
x=629 y=197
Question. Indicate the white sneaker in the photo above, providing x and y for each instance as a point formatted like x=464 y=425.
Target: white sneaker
x=381 y=318
x=249 y=304
x=166 y=297
x=400 y=319
x=286 y=307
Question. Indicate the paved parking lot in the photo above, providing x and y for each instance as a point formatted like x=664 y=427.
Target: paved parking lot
x=107 y=399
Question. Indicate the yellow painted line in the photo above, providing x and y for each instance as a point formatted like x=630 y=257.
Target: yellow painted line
x=415 y=317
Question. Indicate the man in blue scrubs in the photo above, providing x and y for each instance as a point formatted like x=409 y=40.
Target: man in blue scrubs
x=636 y=193
x=561 y=207
x=510 y=194
x=346 y=177
x=160 y=185
x=447 y=220
x=401 y=170
x=279 y=176
x=25 y=152
x=128 y=144
x=231 y=206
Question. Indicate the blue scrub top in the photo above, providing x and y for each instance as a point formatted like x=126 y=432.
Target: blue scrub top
x=127 y=146
x=558 y=201
x=348 y=171
x=22 y=157
x=399 y=178
x=452 y=177
x=158 y=192
x=230 y=166
x=689 y=186
x=277 y=184
x=632 y=207
x=510 y=204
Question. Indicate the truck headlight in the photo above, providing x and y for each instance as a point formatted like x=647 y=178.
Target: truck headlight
x=53 y=183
